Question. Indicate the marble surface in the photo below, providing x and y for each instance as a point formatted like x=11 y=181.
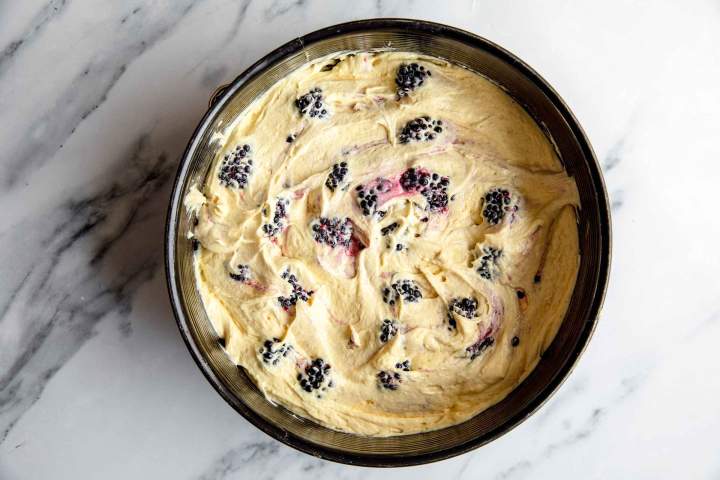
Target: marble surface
x=97 y=102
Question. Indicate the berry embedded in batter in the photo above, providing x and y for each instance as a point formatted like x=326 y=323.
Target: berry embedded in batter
x=388 y=330
x=236 y=168
x=497 y=202
x=409 y=77
x=408 y=290
x=311 y=104
x=367 y=199
x=316 y=376
x=337 y=176
x=298 y=293
x=274 y=350
x=404 y=366
x=465 y=307
x=333 y=231
x=385 y=231
x=477 y=348
x=488 y=263
x=278 y=223
x=432 y=186
x=420 y=129
x=243 y=274
x=389 y=380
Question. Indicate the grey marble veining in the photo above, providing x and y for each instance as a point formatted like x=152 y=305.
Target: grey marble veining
x=97 y=101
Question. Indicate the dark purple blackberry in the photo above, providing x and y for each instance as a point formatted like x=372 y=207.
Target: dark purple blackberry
x=389 y=380
x=337 y=176
x=236 y=168
x=399 y=247
x=488 y=263
x=497 y=202
x=385 y=231
x=311 y=104
x=409 y=77
x=243 y=274
x=408 y=290
x=431 y=185
x=479 y=347
x=404 y=366
x=298 y=293
x=278 y=222
x=274 y=350
x=420 y=129
x=316 y=376
x=367 y=199
x=388 y=330
x=333 y=231
x=465 y=307
x=389 y=296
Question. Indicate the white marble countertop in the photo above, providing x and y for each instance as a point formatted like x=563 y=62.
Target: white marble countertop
x=97 y=103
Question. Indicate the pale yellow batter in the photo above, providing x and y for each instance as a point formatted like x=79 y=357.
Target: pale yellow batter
x=373 y=298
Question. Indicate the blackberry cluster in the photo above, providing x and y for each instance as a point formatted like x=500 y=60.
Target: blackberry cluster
x=311 y=104
x=298 y=293
x=404 y=366
x=315 y=376
x=479 y=347
x=367 y=199
x=389 y=380
x=431 y=185
x=409 y=77
x=243 y=274
x=278 y=221
x=388 y=330
x=274 y=350
x=420 y=129
x=488 y=267
x=497 y=203
x=236 y=168
x=385 y=231
x=337 y=176
x=408 y=290
x=466 y=307
x=333 y=231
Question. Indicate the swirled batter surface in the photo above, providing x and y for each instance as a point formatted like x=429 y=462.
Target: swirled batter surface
x=386 y=243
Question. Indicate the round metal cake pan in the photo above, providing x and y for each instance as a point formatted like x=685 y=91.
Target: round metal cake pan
x=573 y=148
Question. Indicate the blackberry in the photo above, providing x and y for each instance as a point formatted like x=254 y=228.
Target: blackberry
x=404 y=366
x=337 y=176
x=488 y=263
x=465 y=307
x=367 y=199
x=477 y=348
x=298 y=293
x=515 y=341
x=420 y=129
x=497 y=203
x=333 y=231
x=431 y=185
x=274 y=350
x=388 y=330
x=520 y=293
x=408 y=290
x=409 y=77
x=237 y=167
x=243 y=274
x=385 y=231
x=278 y=222
x=315 y=376
x=311 y=104
x=389 y=380
x=389 y=296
